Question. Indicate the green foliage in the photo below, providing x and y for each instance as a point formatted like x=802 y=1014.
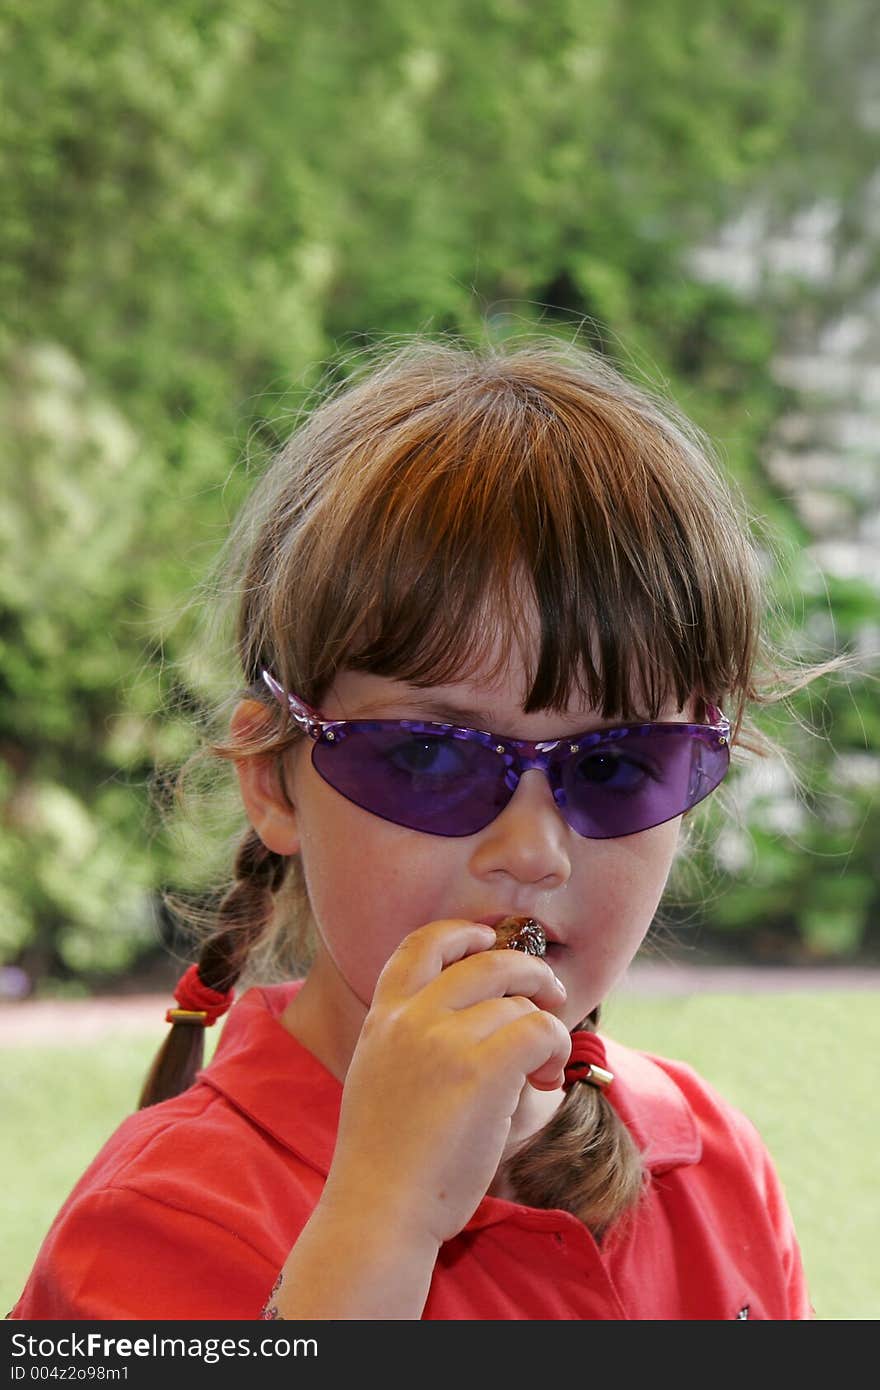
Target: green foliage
x=207 y=205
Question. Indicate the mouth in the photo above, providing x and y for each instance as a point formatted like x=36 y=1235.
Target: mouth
x=553 y=942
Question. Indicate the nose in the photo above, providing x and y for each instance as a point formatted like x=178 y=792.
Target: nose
x=529 y=840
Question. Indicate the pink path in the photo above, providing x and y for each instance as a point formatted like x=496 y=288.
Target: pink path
x=57 y=1021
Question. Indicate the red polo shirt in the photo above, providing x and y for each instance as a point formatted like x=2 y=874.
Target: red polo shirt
x=190 y=1209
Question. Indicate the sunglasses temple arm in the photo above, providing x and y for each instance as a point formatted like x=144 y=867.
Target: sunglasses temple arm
x=714 y=715
x=301 y=713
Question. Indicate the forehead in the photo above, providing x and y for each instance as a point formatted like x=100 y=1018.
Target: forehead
x=492 y=697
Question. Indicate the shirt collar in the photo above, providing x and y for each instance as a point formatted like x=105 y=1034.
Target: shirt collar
x=282 y=1087
x=653 y=1108
x=267 y=1074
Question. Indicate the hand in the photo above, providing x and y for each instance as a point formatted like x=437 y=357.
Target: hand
x=454 y=1033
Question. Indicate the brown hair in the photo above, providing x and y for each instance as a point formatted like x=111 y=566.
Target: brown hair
x=417 y=495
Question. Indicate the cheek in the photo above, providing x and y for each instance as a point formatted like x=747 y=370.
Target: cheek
x=346 y=885
x=634 y=876
x=654 y=852
x=620 y=894
x=370 y=883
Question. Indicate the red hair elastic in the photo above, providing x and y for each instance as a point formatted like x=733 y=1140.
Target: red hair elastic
x=587 y=1061
x=198 y=1002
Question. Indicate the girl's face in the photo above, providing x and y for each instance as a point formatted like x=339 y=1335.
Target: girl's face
x=370 y=883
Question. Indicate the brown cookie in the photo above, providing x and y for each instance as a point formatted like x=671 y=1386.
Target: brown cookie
x=521 y=934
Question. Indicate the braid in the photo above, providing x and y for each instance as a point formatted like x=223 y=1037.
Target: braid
x=244 y=913
x=584 y=1160
x=242 y=917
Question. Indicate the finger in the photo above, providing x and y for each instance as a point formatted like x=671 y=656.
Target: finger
x=426 y=952
x=493 y=974
x=481 y=1020
x=536 y=1044
x=546 y=1079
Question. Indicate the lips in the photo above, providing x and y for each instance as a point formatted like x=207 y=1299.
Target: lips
x=492 y=920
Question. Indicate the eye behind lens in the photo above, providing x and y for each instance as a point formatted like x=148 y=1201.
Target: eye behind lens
x=612 y=771
x=443 y=756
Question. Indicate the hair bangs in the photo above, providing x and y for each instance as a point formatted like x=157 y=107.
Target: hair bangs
x=531 y=500
x=505 y=521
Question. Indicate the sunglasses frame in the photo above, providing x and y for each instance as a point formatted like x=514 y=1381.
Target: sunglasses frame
x=520 y=755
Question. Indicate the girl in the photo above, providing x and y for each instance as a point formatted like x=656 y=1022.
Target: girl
x=499 y=623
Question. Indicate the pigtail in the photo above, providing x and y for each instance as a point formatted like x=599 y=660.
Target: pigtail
x=584 y=1160
x=242 y=917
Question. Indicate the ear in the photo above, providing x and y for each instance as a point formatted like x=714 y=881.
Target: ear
x=268 y=809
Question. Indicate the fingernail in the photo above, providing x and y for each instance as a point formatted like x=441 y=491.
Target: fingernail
x=560 y=986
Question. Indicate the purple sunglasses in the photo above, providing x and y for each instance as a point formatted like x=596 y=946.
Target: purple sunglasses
x=446 y=780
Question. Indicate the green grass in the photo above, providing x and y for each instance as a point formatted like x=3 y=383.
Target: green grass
x=803 y=1067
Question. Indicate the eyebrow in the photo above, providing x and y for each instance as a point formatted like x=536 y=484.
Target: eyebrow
x=450 y=713
x=446 y=712
x=443 y=711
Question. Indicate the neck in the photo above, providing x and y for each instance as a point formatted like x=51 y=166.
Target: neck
x=326 y=1016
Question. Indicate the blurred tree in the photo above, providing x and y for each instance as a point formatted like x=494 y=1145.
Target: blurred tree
x=208 y=205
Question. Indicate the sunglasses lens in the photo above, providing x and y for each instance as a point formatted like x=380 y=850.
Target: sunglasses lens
x=633 y=781
x=436 y=783
x=452 y=785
